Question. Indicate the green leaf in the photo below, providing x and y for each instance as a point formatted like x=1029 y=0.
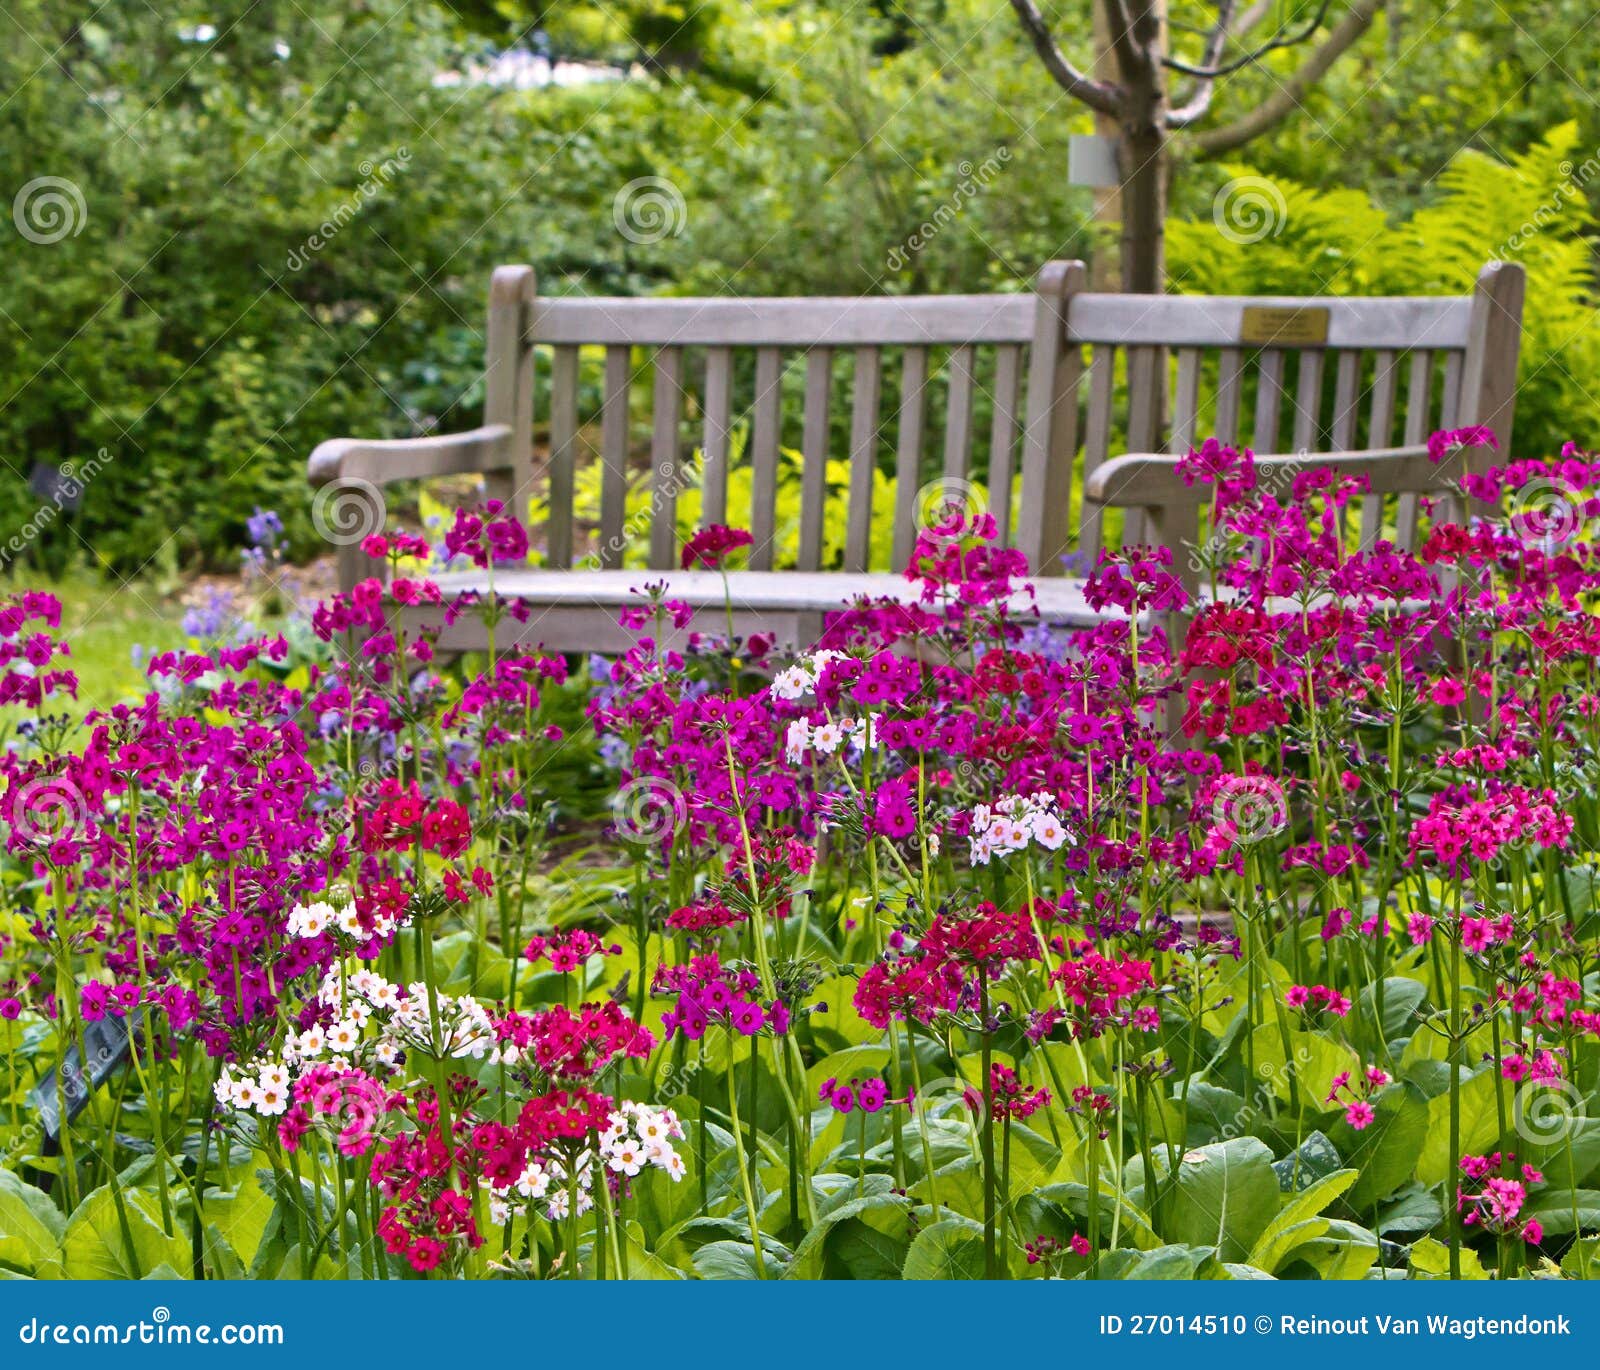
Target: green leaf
x=810 y=1255
x=1212 y=1111
x=1562 y=1211
x=1299 y=1220
x=843 y=1066
x=117 y=1235
x=1385 y=1151
x=873 y=1246
x=1226 y=1194
x=948 y=1250
x=1430 y=1260
x=1314 y=1062
x=1237 y=1271
x=30 y=1227
x=1163 y=1263
x=1401 y=999
x=1582 y=1260
x=1073 y=1198
x=1573 y=1156
x=1414 y=1209
x=1309 y=1162
x=1345 y=1252
x=1480 y=1125
x=238 y=1216
x=727 y=1260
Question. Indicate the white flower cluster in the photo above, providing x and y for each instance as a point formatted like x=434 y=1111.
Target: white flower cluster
x=407 y=1018
x=312 y=920
x=826 y=738
x=263 y=1090
x=794 y=682
x=1014 y=822
x=637 y=1136
x=399 y=1019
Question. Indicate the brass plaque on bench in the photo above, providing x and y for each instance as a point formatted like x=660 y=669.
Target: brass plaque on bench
x=1275 y=326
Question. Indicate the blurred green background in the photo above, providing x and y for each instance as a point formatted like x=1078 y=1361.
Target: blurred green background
x=280 y=217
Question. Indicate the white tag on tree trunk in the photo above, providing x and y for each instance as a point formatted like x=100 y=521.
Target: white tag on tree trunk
x=1092 y=161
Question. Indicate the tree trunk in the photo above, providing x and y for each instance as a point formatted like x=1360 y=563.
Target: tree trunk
x=1142 y=153
x=1142 y=156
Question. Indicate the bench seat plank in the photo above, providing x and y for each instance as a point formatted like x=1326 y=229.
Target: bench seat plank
x=576 y=610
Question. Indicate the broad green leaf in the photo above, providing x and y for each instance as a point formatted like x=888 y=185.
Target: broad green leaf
x=809 y=1256
x=1212 y=1111
x=1414 y=1209
x=1582 y=1259
x=1309 y=1162
x=1385 y=1151
x=1236 y=1271
x=1563 y=1211
x=1309 y=1069
x=239 y=1216
x=1480 y=1125
x=1224 y=1197
x=1073 y=1198
x=1287 y=1230
x=872 y=1246
x=1430 y=1260
x=1175 y=1262
x=1401 y=999
x=948 y=1250
x=117 y=1235
x=29 y=1241
x=853 y=1062
x=1345 y=1252
x=727 y=1260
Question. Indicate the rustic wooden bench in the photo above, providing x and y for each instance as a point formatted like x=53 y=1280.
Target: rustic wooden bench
x=1069 y=376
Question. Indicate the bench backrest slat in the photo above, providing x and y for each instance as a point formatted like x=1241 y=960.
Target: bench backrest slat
x=1003 y=430
x=814 y=455
x=865 y=399
x=908 y=449
x=719 y=434
x=614 y=456
x=1308 y=430
x=1000 y=387
x=765 y=434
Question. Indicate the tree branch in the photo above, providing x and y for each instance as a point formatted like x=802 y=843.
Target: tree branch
x=1199 y=102
x=1096 y=94
x=1288 y=96
x=1281 y=39
x=1132 y=58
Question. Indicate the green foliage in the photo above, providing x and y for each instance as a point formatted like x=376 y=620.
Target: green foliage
x=186 y=324
x=1531 y=209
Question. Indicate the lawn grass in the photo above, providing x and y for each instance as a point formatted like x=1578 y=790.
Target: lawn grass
x=104 y=622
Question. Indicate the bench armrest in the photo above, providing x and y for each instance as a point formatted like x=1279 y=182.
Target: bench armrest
x=1150 y=481
x=379 y=462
